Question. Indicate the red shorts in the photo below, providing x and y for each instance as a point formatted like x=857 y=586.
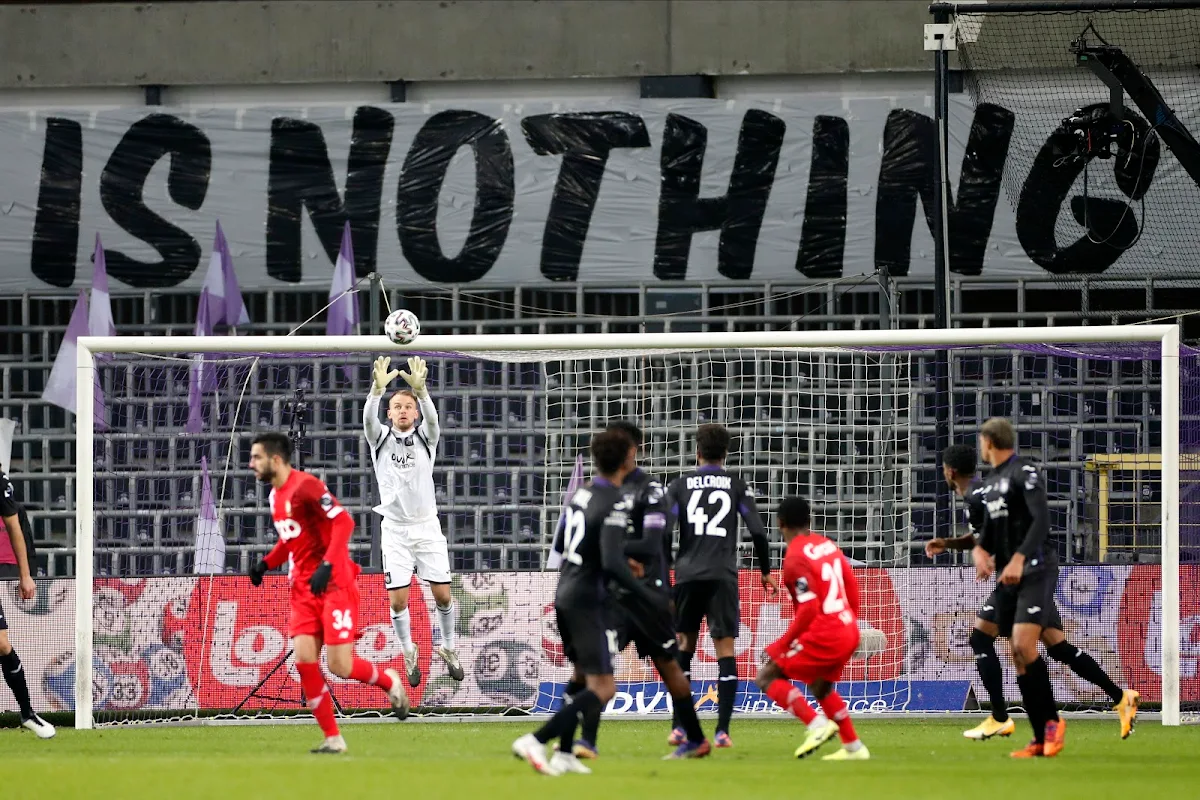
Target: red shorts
x=333 y=616
x=816 y=655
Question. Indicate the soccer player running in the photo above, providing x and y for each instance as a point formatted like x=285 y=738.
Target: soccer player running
x=821 y=638
x=996 y=615
x=1017 y=532
x=314 y=532
x=597 y=521
x=10 y=662
x=411 y=535
x=707 y=502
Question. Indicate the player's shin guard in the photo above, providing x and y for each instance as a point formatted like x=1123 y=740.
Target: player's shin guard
x=727 y=683
x=1085 y=667
x=572 y=688
x=789 y=697
x=835 y=708
x=14 y=676
x=990 y=672
x=590 y=723
x=446 y=625
x=364 y=671
x=688 y=720
x=566 y=718
x=402 y=624
x=685 y=663
x=313 y=683
x=1039 y=676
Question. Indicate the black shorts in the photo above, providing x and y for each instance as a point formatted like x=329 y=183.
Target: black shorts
x=589 y=641
x=716 y=600
x=651 y=630
x=1030 y=601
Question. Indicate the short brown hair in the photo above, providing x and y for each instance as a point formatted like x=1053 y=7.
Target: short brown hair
x=408 y=392
x=609 y=449
x=712 y=442
x=1000 y=433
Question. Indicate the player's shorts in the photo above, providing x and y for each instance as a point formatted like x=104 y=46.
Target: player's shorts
x=333 y=616
x=409 y=548
x=715 y=600
x=1032 y=600
x=651 y=630
x=816 y=655
x=589 y=640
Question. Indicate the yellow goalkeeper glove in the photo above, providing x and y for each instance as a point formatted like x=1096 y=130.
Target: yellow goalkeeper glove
x=415 y=377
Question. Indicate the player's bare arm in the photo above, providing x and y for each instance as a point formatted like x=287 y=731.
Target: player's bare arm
x=748 y=509
x=935 y=547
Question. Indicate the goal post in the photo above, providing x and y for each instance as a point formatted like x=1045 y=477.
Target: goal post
x=586 y=353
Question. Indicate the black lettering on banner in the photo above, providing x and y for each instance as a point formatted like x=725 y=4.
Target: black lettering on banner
x=421 y=181
x=823 y=234
x=1112 y=225
x=909 y=170
x=56 y=226
x=122 y=193
x=584 y=141
x=738 y=213
x=301 y=176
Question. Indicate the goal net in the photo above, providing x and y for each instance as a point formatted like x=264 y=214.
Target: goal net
x=1099 y=110
x=162 y=611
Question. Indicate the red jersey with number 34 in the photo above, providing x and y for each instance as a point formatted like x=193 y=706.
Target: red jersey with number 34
x=303 y=511
x=823 y=587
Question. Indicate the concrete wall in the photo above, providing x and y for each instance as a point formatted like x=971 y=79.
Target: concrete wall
x=329 y=41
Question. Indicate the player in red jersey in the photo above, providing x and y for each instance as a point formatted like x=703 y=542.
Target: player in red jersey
x=822 y=637
x=314 y=532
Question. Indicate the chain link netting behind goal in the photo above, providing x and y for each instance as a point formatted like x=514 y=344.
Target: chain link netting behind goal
x=178 y=630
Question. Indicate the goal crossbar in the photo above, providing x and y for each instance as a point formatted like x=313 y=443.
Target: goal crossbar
x=90 y=346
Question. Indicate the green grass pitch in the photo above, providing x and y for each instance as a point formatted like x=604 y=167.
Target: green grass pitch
x=910 y=758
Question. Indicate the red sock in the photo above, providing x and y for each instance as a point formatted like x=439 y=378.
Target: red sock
x=317 y=693
x=787 y=696
x=835 y=709
x=364 y=671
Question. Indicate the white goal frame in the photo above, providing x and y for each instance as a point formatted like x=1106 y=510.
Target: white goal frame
x=89 y=346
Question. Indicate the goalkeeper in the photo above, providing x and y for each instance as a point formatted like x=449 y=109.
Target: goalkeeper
x=403 y=454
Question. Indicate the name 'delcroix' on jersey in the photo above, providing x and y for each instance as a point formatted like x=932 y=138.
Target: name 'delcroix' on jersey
x=710 y=482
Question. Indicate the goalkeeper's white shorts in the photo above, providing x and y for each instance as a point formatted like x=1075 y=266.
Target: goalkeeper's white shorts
x=408 y=548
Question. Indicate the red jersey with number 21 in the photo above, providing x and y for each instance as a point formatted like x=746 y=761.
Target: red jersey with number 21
x=823 y=587
x=303 y=512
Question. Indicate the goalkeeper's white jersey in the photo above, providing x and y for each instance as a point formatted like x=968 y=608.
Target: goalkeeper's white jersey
x=403 y=463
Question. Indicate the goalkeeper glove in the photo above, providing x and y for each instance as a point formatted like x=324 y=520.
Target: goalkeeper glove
x=257 y=572
x=381 y=376
x=320 y=578
x=416 y=375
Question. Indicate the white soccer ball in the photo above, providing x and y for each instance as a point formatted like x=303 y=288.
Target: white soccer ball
x=402 y=326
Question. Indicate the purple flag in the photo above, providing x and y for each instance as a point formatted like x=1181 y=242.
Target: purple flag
x=342 y=319
x=60 y=387
x=556 y=550
x=100 y=323
x=343 y=299
x=210 y=543
x=224 y=296
x=203 y=377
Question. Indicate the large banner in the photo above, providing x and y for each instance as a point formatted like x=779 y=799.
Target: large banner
x=200 y=642
x=488 y=193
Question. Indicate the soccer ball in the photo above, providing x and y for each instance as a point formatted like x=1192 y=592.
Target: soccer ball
x=402 y=326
